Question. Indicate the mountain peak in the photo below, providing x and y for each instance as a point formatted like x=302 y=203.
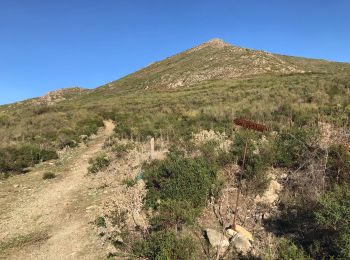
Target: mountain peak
x=211 y=60
x=216 y=42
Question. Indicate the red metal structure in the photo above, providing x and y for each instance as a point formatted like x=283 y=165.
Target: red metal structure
x=250 y=125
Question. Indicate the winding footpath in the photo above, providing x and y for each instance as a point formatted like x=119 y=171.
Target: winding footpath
x=50 y=219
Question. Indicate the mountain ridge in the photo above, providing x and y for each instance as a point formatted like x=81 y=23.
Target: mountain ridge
x=214 y=59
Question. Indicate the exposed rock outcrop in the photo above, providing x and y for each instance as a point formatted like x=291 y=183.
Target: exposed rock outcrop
x=217 y=239
x=59 y=95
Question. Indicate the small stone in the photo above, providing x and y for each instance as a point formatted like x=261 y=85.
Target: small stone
x=241 y=230
x=266 y=215
x=230 y=233
x=16 y=185
x=241 y=244
x=91 y=207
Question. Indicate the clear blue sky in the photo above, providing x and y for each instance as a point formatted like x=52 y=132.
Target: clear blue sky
x=50 y=44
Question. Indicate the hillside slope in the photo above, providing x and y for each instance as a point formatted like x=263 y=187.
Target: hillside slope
x=212 y=76
x=293 y=178
x=212 y=60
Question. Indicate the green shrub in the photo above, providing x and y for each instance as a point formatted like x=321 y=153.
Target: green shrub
x=338 y=166
x=303 y=118
x=258 y=156
x=289 y=251
x=48 y=175
x=122 y=130
x=173 y=214
x=64 y=141
x=46 y=155
x=41 y=109
x=333 y=218
x=344 y=245
x=17 y=158
x=178 y=188
x=226 y=157
x=257 y=160
x=165 y=245
x=98 y=163
x=335 y=209
x=122 y=149
x=180 y=178
x=100 y=222
x=286 y=114
x=347 y=110
x=291 y=146
x=129 y=182
x=89 y=126
x=210 y=150
x=4 y=120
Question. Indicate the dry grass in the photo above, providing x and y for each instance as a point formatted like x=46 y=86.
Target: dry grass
x=17 y=243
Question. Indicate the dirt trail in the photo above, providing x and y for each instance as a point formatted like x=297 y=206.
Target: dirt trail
x=50 y=219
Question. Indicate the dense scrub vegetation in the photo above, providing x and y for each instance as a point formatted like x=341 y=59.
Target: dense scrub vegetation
x=180 y=178
x=258 y=158
x=18 y=158
x=179 y=186
x=39 y=133
x=178 y=189
x=314 y=205
x=314 y=209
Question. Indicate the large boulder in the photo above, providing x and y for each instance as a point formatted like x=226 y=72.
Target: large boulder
x=217 y=239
